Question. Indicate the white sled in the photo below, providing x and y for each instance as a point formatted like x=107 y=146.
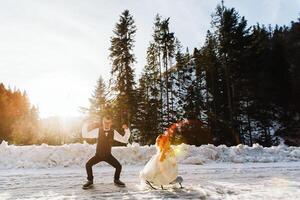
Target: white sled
x=178 y=180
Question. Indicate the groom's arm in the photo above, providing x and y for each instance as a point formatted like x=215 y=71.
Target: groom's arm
x=122 y=138
x=89 y=134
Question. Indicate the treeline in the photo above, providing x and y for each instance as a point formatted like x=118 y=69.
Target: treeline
x=18 y=119
x=20 y=123
x=241 y=86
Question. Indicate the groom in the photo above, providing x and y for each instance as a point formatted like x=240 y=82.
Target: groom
x=106 y=135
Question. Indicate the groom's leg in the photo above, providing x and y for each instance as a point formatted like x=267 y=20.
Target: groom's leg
x=94 y=160
x=115 y=163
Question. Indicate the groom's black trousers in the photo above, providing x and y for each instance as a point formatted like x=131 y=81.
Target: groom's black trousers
x=109 y=158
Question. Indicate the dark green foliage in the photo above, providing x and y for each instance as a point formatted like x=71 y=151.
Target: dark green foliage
x=99 y=104
x=242 y=85
x=122 y=72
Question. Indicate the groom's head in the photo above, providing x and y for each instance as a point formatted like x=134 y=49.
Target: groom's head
x=106 y=122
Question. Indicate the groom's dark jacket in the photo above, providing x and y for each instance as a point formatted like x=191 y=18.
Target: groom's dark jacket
x=105 y=139
x=105 y=142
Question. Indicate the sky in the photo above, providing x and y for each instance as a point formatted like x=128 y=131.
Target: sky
x=57 y=49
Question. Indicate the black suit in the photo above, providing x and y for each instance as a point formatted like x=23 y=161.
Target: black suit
x=103 y=153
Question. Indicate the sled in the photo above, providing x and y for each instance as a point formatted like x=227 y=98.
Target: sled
x=178 y=180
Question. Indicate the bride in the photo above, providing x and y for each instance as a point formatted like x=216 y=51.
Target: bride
x=162 y=168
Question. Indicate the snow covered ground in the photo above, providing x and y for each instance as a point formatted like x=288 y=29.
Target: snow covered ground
x=279 y=180
x=71 y=155
x=209 y=172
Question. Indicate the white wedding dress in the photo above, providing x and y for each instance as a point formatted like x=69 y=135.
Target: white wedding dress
x=160 y=172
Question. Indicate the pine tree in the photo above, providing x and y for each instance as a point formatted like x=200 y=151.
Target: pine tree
x=122 y=58
x=180 y=82
x=147 y=114
x=153 y=90
x=149 y=102
x=98 y=102
x=206 y=72
x=231 y=32
x=167 y=46
x=164 y=42
x=255 y=108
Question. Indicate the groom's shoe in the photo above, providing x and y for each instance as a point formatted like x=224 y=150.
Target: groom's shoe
x=87 y=185
x=119 y=183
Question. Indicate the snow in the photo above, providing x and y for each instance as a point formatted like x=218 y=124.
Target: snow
x=213 y=181
x=209 y=172
x=71 y=155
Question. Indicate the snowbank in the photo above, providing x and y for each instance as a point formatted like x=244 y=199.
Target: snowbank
x=44 y=156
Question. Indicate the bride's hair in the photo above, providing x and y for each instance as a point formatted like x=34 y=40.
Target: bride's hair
x=162 y=142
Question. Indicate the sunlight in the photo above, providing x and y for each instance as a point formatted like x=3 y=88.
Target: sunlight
x=177 y=150
x=58 y=96
x=180 y=150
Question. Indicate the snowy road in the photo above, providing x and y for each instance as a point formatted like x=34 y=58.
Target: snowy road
x=209 y=181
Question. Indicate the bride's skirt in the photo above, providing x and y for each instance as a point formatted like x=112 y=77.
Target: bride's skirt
x=160 y=172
